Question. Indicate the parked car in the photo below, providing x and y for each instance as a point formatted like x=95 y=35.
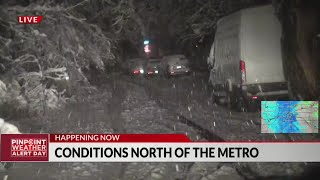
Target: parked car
x=246 y=58
x=153 y=67
x=137 y=66
x=176 y=65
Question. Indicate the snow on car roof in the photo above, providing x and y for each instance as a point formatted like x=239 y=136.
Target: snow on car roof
x=176 y=59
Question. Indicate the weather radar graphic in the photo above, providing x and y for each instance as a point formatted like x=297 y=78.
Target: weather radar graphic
x=289 y=116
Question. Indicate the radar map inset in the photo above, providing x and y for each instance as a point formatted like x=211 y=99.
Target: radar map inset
x=289 y=116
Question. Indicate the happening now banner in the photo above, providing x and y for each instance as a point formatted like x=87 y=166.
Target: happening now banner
x=147 y=148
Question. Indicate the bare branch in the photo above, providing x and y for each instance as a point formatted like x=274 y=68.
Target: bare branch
x=78 y=4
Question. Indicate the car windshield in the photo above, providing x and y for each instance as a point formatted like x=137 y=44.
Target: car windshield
x=178 y=61
x=153 y=62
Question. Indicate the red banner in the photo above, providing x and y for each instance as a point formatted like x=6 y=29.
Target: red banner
x=30 y=19
x=147 y=148
x=119 y=138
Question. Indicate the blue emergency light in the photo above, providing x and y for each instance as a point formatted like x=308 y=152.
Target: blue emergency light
x=145 y=42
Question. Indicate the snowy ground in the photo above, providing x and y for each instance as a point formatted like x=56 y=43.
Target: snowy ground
x=135 y=105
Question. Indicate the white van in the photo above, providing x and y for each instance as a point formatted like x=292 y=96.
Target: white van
x=246 y=57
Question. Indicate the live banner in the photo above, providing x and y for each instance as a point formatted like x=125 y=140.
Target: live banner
x=148 y=148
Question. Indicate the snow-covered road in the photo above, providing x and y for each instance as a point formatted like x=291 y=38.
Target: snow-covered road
x=137 y=105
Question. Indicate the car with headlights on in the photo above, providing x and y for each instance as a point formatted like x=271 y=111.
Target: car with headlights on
x=153 y=67
x=137 y=66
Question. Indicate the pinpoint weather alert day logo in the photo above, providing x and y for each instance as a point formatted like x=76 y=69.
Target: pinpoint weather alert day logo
x=30 y=19
x=27 y=147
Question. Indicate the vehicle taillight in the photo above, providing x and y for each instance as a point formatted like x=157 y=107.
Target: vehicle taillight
x=136 y=72
x=243 y=71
